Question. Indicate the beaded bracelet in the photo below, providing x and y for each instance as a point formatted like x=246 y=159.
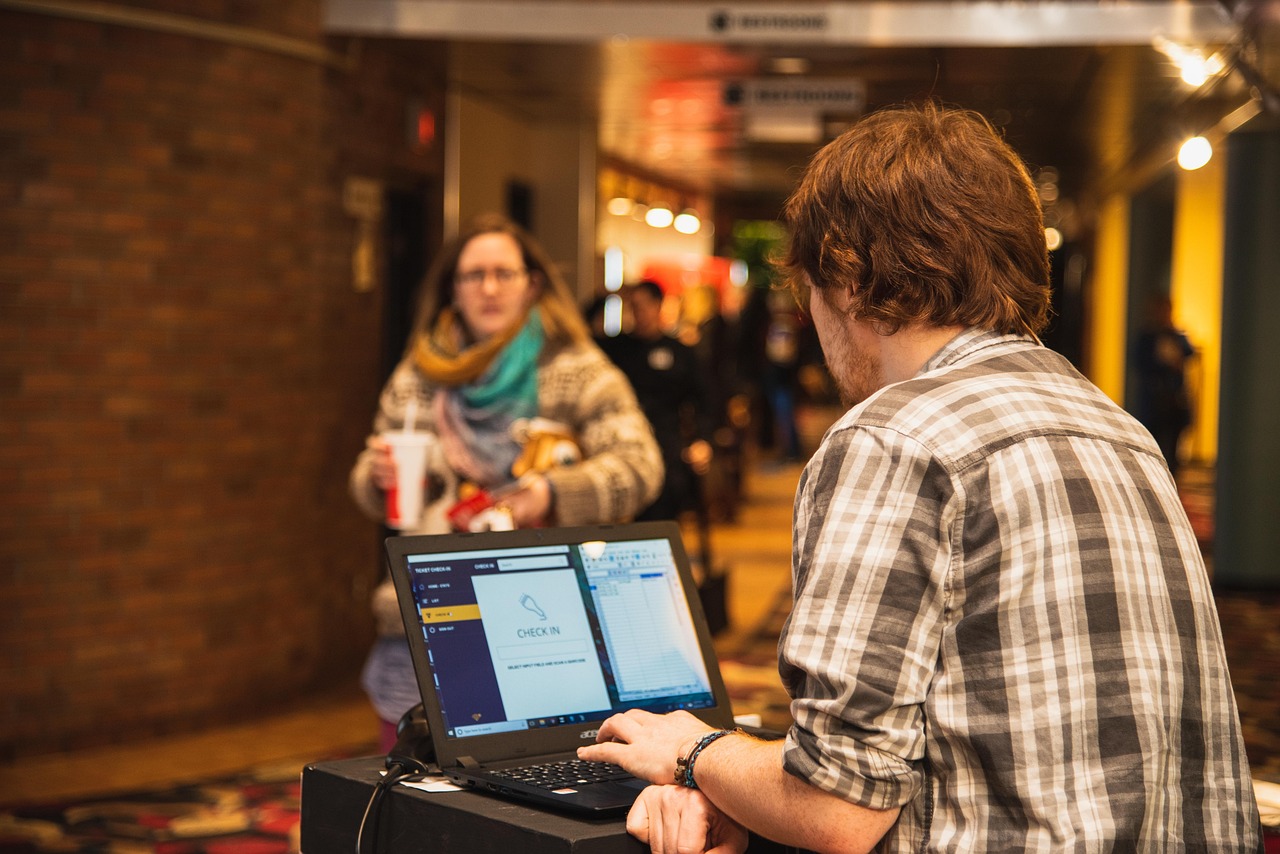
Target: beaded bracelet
x=684 y=764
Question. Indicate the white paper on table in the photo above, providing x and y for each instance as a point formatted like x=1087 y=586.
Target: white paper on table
x=432 y=784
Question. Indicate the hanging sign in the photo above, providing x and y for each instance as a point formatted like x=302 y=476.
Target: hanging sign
x=815 y=94
x=764 y=22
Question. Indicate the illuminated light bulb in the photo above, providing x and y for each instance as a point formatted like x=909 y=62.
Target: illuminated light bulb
x=613 y=268
x=688 y=222
x=1194 y=73
x=789 y=65
x=659 y=216
x=1194 y=153
x=1196 y=68
x=619 y=206
x=1052 y=238
x=612 y=315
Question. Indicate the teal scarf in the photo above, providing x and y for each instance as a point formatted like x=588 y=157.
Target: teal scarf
x=475 y=418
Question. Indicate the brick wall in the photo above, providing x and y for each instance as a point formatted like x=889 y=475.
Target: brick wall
x=186 y=372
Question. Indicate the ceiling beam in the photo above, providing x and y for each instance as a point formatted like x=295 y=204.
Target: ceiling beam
x=881 y=23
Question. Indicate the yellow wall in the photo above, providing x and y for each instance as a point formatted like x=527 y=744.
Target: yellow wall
x=1197 y=295
x=1108 y=298
x=496 y=146
x=1196 y=291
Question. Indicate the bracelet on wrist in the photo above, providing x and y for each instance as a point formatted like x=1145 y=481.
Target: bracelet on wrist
x=684 y=764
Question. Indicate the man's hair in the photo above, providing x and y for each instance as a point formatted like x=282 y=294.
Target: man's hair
x=930 y=217
x=648 y=287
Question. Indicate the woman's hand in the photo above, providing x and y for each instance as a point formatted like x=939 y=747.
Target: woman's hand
x=382 y=470
x=530 y=505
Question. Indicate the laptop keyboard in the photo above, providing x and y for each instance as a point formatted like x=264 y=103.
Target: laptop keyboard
x=558 y=775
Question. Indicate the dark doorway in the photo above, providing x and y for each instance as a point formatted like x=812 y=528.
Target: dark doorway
x=410 y=242
x=1150 y=262
x=1066 y=329
x=520 y=204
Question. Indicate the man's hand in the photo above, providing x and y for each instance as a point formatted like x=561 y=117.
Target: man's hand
x=676 y=820
x=742 y=776
x=646 y=744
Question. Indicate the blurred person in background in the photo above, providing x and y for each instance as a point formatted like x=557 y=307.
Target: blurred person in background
x=667 y=379
x=498 y=340
x=1161 y=355
x=713 y=335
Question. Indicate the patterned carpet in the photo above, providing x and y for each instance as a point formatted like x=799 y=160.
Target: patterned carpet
x=255 y=812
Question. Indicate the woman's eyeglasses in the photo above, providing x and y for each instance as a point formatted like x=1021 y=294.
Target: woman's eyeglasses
x=505 y=276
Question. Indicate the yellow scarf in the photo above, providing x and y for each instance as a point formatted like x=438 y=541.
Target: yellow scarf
x=442 y=358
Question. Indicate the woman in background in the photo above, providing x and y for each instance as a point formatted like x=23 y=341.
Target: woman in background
x=498 y=338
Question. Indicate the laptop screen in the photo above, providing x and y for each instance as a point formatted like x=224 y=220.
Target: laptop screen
x=529 y=637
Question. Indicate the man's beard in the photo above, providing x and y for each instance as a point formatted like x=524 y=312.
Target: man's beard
x=855 y=372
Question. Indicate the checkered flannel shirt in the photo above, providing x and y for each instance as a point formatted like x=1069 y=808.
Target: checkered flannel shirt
x=1003 y=622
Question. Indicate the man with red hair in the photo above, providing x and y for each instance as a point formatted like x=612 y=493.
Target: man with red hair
x=1003 y=636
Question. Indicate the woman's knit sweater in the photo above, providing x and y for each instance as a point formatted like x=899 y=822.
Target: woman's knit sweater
x=621 y=470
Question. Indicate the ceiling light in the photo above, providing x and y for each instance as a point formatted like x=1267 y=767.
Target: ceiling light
x=1052 y=238
x=618 y=192
x=687 y=222
x=659 y=216
x=619 y=205
x=613 y=268
x=612 y=315
x=789 y=65
x=1194 y=153
x=1194 y=67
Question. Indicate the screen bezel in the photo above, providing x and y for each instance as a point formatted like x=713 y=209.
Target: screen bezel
x=553 y=739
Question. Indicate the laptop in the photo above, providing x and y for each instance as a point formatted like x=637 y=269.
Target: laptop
x=523 y=642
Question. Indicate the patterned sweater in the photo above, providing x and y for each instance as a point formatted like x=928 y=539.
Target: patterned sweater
x=621 y=470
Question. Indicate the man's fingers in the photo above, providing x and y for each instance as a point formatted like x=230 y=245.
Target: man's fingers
x=735 y=845
x=606 y=752
x=693 y=833
x=638 y=818
x=623 y=727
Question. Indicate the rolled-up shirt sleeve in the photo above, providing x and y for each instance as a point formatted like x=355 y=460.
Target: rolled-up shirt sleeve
x=873 y=543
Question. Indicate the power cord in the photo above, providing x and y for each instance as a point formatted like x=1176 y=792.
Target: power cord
x=411 y=757
x=396 y=773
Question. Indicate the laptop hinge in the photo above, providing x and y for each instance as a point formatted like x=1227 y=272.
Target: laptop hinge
x=468 y=763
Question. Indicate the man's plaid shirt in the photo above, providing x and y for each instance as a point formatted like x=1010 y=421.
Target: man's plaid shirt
x=1003 y=623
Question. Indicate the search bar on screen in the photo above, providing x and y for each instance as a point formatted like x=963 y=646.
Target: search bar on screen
x=556 y=561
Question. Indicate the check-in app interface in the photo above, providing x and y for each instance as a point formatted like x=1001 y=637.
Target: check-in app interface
x=552 y=635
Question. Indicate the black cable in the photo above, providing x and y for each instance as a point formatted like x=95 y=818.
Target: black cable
x=395 y=774
x=412 y=756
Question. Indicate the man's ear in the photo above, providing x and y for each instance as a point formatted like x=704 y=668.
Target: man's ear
x=839 y=296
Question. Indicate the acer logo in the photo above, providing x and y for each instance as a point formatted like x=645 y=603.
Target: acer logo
x=589 y=733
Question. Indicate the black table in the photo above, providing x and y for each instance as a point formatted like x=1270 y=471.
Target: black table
x=334 y=796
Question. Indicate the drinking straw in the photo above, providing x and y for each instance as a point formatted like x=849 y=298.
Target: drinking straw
x=410 y=414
